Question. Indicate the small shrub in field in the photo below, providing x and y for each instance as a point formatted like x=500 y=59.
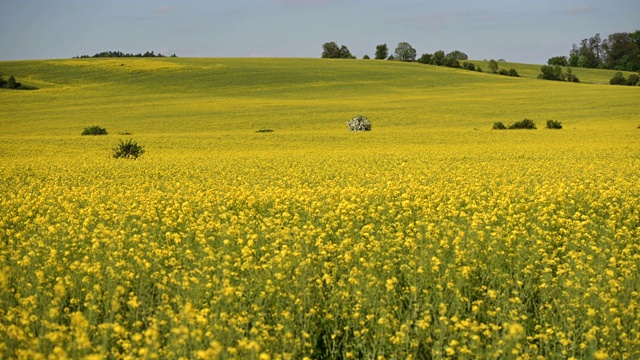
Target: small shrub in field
x=618 y=79
x=503 y=72
x=128 y=150
x=469 y=66
x=94 y=130
x=498 y=126
x=513 y=72
x=523 y=124
x=569 y=76
x=554 y=124
x=264 y=131
x=359 y=123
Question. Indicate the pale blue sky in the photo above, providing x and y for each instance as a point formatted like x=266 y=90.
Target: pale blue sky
x=521 y=31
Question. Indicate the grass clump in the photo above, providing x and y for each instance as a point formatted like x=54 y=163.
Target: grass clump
x=359 y=123
x=554 y=124
x=12 y=84
x=94 y=130
x=128 y=150
x=523 y=124
x=498 y=126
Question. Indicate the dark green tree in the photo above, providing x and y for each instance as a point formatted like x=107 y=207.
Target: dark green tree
x=439 y=58
x=588 y=54
x=405 y=52
x=451 y=62
x=622 y=51
x=330 y=50
x=548 y=72
x=493 y=66
x=345 y=53
x=382 y=51
x=458 y=55
x=426 y=59
x=558 y=60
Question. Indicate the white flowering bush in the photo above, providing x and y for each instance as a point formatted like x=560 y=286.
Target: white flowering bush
x=359 y=123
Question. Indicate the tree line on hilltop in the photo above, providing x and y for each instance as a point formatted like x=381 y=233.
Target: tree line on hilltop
x=120 y=54
x=405 y=52
x=619 y=51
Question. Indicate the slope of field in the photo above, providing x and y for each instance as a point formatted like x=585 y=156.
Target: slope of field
x=586 y=76
x=431 y=236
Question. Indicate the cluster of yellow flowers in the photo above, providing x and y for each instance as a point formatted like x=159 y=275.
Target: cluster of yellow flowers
x=386 y=255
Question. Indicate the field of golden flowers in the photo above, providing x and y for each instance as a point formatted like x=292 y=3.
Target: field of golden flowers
x=425 y=242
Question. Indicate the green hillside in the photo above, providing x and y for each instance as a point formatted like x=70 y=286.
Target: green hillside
x=306 y=101
x=240 y=94
x=586 y=76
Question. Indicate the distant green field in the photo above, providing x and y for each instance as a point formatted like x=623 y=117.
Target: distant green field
x=300 y=97
x=430 y=237
x=209 y=95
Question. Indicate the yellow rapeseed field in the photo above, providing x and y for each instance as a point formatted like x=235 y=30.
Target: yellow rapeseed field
x=430 y=237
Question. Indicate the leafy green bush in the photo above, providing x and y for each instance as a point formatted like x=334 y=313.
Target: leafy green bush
x=359 y=123
x=498 y=126
x=513 y=72
x=570 y=77
x=11 y=83
x=633 y=79
x=523 y=124
x=503 y=72
x=94 y=130
x=554 y=124
x=548 y=72
x=493 y=66
x=618 y=79
x=128 y=150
